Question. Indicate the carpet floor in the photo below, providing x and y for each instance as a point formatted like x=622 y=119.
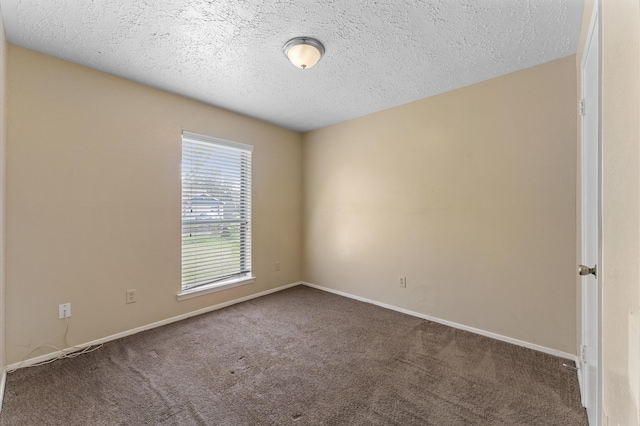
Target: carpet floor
x=299 y=357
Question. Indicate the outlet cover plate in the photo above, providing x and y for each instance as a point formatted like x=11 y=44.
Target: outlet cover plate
x=64 y=310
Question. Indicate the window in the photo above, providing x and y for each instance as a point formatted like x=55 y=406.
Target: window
x=216 y=213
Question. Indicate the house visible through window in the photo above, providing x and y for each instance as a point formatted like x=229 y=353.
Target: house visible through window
x=216 y=211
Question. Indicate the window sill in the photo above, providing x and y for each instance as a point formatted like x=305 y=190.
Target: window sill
x=212 y=288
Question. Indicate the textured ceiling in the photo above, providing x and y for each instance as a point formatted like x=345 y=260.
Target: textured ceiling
x=228 y=53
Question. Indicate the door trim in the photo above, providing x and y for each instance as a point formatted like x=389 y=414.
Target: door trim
x=594 y=24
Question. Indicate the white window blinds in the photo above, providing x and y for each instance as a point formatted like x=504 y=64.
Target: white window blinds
x=216 y=210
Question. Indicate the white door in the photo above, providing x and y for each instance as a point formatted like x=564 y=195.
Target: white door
x=591 y=268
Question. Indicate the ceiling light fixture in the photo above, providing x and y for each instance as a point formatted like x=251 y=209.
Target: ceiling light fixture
x=304 y=52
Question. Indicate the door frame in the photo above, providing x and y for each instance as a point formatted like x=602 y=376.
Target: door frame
x=594 y=24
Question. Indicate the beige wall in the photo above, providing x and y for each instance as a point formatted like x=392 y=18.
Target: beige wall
x=93 y=202
x=620 y=22
x=470 y=194
x=3 y=127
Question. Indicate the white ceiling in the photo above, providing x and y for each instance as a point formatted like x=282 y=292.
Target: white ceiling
x=228 y=53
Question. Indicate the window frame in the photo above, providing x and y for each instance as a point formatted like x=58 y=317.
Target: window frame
x=237 y=280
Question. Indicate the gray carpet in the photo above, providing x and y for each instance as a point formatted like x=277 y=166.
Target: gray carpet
x=299 y=357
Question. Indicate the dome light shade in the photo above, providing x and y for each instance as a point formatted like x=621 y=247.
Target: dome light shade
x=304 y=52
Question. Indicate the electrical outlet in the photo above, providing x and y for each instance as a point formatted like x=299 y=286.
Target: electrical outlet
x=277 y=266
x=64 y=310
x=131 y=296
x=403 y=281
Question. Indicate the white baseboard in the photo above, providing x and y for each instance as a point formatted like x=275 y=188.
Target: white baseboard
x=496 y=336
x=53 y=355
